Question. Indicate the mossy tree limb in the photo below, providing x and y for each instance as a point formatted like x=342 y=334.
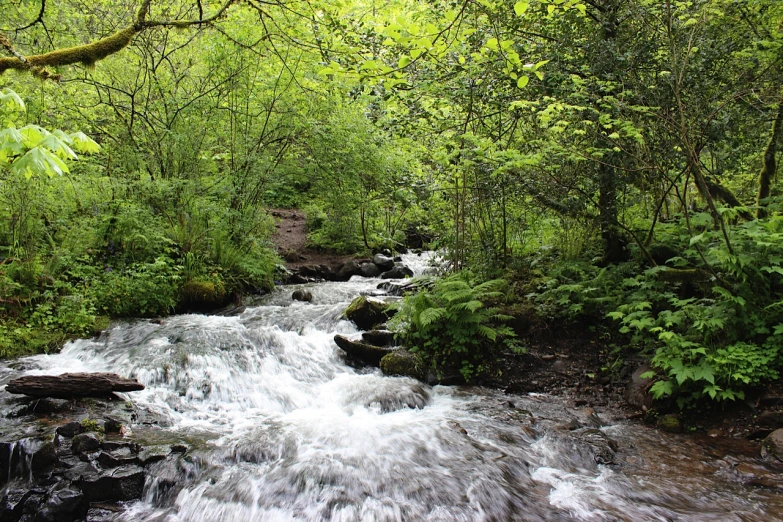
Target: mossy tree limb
x=91 y=53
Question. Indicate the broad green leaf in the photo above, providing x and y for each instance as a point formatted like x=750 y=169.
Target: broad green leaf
x=521 y=7
x=38 y=161
x=523 y=81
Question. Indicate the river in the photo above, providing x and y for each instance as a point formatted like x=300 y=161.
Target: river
x=279 y=428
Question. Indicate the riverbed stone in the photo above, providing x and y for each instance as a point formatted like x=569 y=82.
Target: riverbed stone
x=670 y=423
x=404 y=363
x=383 y=262
x=397 y=272
x=348 y=269
x=368 y=312
x=772 y=448
x=379 y=337
x=118 y=484
x=363 y=352
x=369 y=270
x=86 y=442
x=302 y=295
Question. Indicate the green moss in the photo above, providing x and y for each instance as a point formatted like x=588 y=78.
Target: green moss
x=92 y=425
x=403 y=362
x=670 y=423
x=86 y=54
x=202 y=295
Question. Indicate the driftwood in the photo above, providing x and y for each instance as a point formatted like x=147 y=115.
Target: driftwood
x=70 y=385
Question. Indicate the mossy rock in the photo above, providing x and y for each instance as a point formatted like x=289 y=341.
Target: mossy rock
x=363 y=352
x=368 y=313
x=403 y=362
x=670 y=423
x=202 y=296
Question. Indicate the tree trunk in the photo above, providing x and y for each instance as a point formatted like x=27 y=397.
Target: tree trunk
x=770 y=166
x=71 y=385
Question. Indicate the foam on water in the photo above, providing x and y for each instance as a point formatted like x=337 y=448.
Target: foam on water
x=284 y=430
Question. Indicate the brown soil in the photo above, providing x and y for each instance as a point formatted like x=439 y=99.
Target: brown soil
x=568 y=360
x=291 y=235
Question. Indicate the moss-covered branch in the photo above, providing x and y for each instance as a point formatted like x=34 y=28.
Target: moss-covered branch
x=91 y=53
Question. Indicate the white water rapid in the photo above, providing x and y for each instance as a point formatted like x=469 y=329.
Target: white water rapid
x=279 y=428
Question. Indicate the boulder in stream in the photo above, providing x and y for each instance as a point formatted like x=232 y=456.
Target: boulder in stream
x=383 y=262
x=366 y=353
x=300 y=294
x=379 y=337
x=369 y=270
x=367 y=312
x=772 y=448
x=71 y=385
x=403 y=362
x=397 y=272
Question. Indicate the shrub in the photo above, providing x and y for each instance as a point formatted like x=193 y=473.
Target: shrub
x=451 y=325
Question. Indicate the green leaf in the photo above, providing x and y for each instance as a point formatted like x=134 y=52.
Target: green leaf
x=523 y=81
x=404 y=61
x=521 y=7
x=84 y=144
x=38 y=161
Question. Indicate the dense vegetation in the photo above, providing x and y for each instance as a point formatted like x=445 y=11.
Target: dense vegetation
x=614 y=160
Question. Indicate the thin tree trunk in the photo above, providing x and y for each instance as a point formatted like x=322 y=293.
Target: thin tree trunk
x=770 y=166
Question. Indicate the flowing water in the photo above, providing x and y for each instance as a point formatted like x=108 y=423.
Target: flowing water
x=279 y=428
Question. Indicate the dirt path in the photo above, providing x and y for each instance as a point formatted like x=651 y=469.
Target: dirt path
x=291 y=235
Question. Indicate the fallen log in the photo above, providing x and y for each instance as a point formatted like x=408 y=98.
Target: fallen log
x=71 y=385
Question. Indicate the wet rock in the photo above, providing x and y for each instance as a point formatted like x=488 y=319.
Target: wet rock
x=85 y=443
x=12 y=504
x=393 y=399
x=403 y=362
x=302 y=295
x=63 y=504
x=670 y=423
x=367 y=312
x=603 y=447
x=398 y=272
x=43 y=460
x=772 y=448
x=179 y=448
x=71 y=429
x=379 y=337
x=771 y=419
x=383 y=262
x=122 y=483
x=71 y=385
x=369 y=270
x=637 y=392
x=319 y=272
x=202 y=296
x=111 y=425
x=365 y=353
x=401 y=288
x=116 y=458
x=151 y=454
x=348 y=269
x=297 y=279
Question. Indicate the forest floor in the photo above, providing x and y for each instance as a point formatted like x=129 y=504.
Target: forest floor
x=291 y=235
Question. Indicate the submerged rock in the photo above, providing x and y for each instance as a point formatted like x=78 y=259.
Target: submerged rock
x=403 y=362
x=398 y=272
x=366 y=353
x=367 y=312
x=302 y=295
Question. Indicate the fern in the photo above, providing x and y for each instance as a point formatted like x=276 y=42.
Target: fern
x=451 y=325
